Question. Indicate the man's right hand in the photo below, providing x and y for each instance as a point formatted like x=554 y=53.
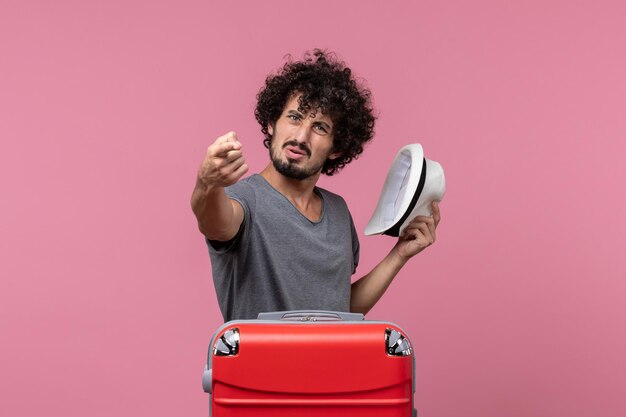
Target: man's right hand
x=219 y=217
x=223 y=163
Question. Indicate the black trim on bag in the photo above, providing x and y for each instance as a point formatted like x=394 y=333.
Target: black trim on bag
x=395 y=229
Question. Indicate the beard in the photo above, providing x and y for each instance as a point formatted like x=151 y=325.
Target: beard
x=290 y=168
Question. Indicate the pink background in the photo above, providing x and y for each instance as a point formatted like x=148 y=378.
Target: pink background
x=106 y=109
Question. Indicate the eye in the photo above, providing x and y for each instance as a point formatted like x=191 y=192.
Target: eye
x=321 y=129
x=293 y=117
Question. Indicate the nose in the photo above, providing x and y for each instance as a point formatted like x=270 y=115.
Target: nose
x=303 y=133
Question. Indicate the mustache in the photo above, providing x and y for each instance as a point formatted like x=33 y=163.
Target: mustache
x=296 y=144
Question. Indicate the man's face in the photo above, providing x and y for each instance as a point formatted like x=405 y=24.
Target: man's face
x=301 y=142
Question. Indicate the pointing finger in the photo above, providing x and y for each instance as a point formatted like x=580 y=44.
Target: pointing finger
x=222 y=148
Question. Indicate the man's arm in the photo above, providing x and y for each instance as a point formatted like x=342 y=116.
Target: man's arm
x=417 y=236
x=219 y=217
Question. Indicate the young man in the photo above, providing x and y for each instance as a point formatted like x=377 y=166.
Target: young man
x=276 y=241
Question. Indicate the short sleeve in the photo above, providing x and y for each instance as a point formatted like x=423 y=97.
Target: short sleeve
x=356 y=246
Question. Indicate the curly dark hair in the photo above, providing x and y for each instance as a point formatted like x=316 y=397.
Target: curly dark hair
x=327 y=85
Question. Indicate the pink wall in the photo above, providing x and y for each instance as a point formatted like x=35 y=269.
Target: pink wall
x=106 y=109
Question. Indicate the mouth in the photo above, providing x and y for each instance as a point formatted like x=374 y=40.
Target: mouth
x=296 y=151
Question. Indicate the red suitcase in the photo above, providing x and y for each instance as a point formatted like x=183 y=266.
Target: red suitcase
x=310 y=363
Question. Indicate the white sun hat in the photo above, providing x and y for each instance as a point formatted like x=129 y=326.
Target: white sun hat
x=413 y=182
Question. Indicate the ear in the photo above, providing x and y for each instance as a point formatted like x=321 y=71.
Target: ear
x=335 y=155
x=270 y=129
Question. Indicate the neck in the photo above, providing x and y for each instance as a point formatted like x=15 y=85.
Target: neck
x=299 y=192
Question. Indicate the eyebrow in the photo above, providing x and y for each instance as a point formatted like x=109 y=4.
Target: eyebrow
x=295 y=113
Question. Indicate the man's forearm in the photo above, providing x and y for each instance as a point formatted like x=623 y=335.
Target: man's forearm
x=370 y=288
x=213 y=211
x=417 y=235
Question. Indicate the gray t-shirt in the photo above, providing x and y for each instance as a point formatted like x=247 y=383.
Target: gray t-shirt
x=280 y=260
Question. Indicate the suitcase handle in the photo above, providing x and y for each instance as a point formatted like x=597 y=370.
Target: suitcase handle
x=311 y=315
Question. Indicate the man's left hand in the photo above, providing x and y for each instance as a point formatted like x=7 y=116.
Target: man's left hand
x=418 y=234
